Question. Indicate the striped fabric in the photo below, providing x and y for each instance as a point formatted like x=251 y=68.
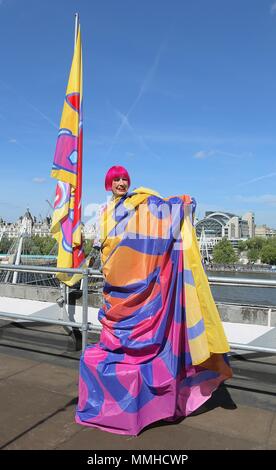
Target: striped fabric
x=162 y=350
x=67 y=169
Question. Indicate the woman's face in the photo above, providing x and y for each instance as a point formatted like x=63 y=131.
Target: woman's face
x=120 y=186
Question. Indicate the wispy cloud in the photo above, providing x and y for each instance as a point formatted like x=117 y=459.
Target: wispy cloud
x=138 y=138
x=183 y=137
x=259 y=178
x=34 y=108
x=262 y=199
x=46 y=118
x=273 y=8
x=204 y=154
x=144 y=87
x=209 y=153
x=38 y=180
x=17 y=143
x=208 y=138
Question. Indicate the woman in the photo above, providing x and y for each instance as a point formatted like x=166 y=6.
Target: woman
x=162 y=350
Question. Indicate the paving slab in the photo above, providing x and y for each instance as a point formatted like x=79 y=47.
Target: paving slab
x=38 y=396
x=50 y=433
x=160 y=436
x=23 y=407
x=50 y=377
x=272 y=436
x=254 y=424
x=12 y=365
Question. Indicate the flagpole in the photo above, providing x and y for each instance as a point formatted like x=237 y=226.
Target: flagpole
x=76 y=27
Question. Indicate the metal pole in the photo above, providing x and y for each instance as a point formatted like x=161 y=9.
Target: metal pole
x=244 y=347
x=65 y=303
x=240 y=281
x=17 y=261
x=46 y=269
x=76 y=27
x=84 y=309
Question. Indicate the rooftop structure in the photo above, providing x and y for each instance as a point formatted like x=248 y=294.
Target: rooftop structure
x=218 y=225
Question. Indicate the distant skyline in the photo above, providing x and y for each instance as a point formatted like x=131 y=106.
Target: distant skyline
x=181 y=93
x=91 y=215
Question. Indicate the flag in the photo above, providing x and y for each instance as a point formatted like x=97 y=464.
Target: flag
x=67 y=169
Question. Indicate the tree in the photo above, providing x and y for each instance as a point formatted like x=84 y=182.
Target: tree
x=242 y=246
x=224 y=253
x=5 y=244
x=88 y=244
x=253 y=255
x=28 y=246
x=39 y=245
x=255 y=243
x=254 y=246
x=46 y=245
x=268 y=253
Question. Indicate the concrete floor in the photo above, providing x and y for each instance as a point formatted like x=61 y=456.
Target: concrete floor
x=38 y=396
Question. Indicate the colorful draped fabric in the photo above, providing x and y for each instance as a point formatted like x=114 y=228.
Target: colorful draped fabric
x=67 y=168
x=162 y=349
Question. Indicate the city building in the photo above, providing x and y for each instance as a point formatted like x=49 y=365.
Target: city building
x=89 y=231
x=264 y=231
x=31 y=226
x=218 y=225
x=27 y=224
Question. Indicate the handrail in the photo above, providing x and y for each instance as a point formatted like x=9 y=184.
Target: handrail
x=216 y=280
x=89 y=272
x=240 y=281
x=46 y=269
x=17 y=316
x=247 y=347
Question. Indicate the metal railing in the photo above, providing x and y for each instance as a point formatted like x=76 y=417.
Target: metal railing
x=85 y=326
x=245 y=282
x=241 y=281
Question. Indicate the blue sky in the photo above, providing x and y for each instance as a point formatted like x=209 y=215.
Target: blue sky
x=182 y=93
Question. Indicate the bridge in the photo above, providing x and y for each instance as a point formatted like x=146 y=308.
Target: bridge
x=39 y=375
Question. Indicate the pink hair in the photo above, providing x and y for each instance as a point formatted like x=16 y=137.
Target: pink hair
x=115 y=172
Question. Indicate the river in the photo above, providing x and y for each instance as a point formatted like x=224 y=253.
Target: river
x=263 y=296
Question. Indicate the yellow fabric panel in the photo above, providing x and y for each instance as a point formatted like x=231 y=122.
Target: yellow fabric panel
x=68 y=279
x=192 y=306
x=69 y=118
x=107 y=248
x=77 y=236
x=217 y=342
x=108 y=223
x=199 y=349
x=65 y=176
x=144 y=190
